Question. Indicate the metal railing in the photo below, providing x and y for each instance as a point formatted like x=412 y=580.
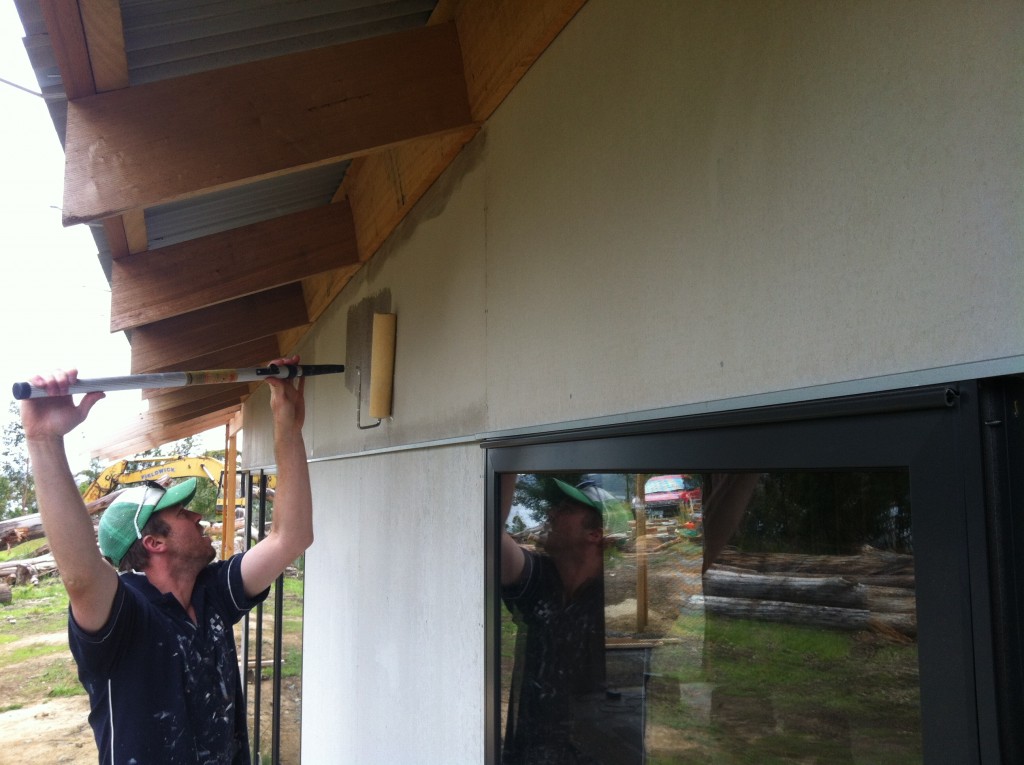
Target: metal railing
x=252 y=655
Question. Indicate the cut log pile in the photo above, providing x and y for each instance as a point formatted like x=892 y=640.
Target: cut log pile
x=22 y=572
x=873 y=590
x=14 y=531
x=25 y=528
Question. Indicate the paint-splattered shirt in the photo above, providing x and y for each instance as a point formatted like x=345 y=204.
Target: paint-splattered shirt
x=165 y=690
x=559 y=666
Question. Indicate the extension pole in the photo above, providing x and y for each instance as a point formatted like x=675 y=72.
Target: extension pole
x=23 y=390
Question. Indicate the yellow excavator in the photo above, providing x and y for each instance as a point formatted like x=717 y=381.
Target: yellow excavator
x=124 y=472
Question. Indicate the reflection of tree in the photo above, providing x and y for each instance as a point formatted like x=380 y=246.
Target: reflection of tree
x=538 y=492
x=516 y=525
x=828 y=513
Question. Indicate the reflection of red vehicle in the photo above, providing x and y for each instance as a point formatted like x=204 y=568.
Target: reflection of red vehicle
x=663 y=494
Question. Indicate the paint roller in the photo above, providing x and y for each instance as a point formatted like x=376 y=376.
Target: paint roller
x=382 y=364
x=24 y=390
x=382 y=370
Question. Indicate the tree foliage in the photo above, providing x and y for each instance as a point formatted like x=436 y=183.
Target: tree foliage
x=538 y=492
x=828 y=513
x=19 y=489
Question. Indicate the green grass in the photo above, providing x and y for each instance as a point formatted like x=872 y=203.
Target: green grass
x=34 y=651
x=292 y=623
x=61 y=680
x=34 y=610
x=24 y=551
x=293 y=594
x=779 y=694
x=785 y=693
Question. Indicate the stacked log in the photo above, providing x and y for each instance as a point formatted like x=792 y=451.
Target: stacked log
x=14 y=531
x=25 y=528
x=28 y=571
x=870 y=591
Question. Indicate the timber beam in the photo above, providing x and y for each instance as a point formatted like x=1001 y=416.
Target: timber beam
x=178 y=138
x=165 y=345
x=198 y=273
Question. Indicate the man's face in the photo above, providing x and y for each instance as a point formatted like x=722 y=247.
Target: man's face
x=570 y=526
x=187 y=539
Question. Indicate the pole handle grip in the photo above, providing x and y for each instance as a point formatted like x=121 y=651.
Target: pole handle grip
x=24 y=390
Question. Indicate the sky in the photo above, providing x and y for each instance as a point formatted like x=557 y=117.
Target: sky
x=54 y=298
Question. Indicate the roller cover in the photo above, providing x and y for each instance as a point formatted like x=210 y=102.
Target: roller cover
x=382 y=364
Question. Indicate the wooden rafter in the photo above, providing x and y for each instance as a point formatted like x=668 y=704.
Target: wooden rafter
x=165 y=345
x=178 y=138
x=104 y=37
x=185 y=277
x=199 y=396
x=67 y=39
x=87 y=39
x=500 y=40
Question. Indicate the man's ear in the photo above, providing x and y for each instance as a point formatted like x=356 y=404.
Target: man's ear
x=153 y=543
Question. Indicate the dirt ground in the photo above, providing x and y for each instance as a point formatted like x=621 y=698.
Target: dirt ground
x=56 y=730
x=43 y=729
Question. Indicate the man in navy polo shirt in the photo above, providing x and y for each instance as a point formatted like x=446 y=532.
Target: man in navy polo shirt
x=154 y=645
x=556 y=598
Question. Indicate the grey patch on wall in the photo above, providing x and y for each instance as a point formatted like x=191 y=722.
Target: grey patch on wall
x=359 y=338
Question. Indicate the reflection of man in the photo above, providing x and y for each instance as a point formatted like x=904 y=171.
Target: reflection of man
x=557 y=600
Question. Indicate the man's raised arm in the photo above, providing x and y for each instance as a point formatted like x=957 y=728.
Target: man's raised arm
x=90 y=581
x=512 y=556
x=292 y=530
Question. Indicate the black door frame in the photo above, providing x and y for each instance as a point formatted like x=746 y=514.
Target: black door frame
x=933 y=431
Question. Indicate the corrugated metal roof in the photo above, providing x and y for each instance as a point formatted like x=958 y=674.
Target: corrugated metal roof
x=171 y=38
x=44 y=64
x=231 y=208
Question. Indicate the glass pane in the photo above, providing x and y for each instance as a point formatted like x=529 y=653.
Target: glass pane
x=723 y=618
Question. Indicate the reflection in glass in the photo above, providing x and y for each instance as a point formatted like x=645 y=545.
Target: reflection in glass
x=748 y=618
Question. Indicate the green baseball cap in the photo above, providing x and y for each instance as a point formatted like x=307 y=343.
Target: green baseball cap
x=123 y=521
x=578 y=496
x=615 y=516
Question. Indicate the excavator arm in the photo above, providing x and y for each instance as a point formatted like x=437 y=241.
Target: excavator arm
x=126 y=472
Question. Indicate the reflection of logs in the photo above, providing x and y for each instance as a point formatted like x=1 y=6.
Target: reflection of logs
x=826 y=591
x=830 y=591
x=873 y=590
x=869 y=562
x=807 y=614
x=777 y=611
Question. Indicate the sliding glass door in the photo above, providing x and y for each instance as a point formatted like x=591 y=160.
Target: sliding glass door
x=797 y=584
